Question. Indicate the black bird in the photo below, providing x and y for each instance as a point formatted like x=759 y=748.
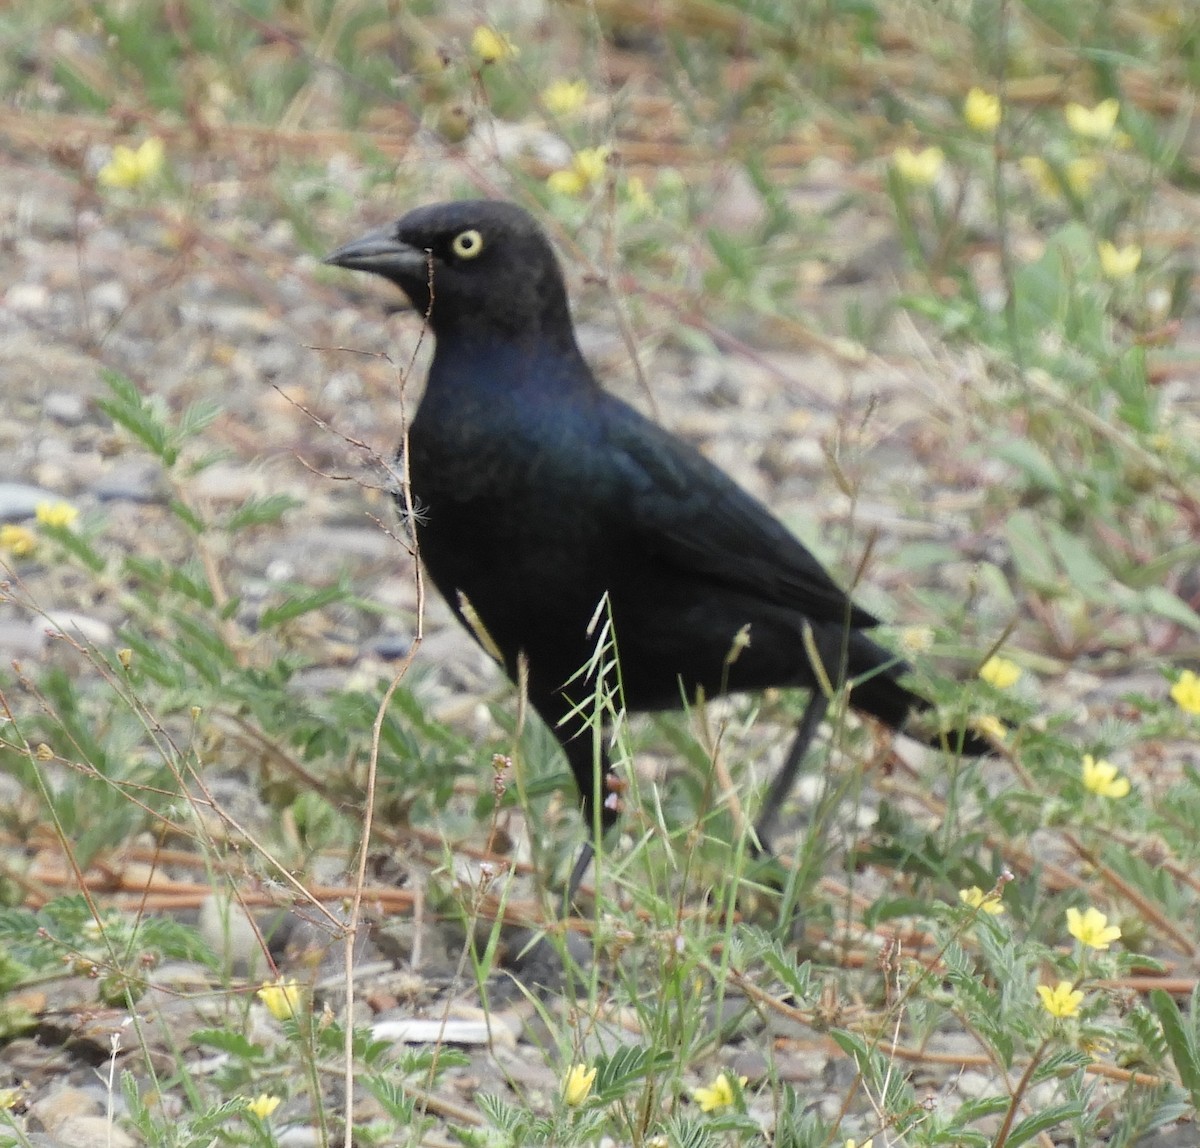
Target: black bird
x=537 y=495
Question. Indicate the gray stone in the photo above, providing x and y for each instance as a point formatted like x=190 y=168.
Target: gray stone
x=49 y=1112
x=65 y=407
x=20 y=500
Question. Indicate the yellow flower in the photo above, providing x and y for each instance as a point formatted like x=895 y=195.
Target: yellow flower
x=1091 y=928
x=56 y=513
x=1000 y=672
x=577 y=1084
x=982 y=110
x=1079 y=174
x=282 y=998
x=1118 y=262
x=563 y=97
x=1185 y=693
x=1102 y=778
x=262 y=1105
x=990 y=726
x=129 y=168
x=1082 y=172
x=976 y=898
x=19 y=541
x=588 y=166
x=719 y=1094
x=1062 y=1000
x=490 y=46
x=919 y=168
x=639 y=197
x=1093 y=123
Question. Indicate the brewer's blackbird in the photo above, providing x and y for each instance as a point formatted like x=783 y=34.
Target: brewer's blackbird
x=547 y=504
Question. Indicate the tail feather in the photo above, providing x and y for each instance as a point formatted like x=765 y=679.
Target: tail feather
x=879 y=692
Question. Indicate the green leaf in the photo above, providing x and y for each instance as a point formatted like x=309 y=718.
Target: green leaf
x=196 y=418
x=260 y=511
x=77 y=545
x=973 y=1110
x=1030 y=551
x=796 y=978
x=227 y=1040
x=398 y=1105
x=301 y=604
x=1031 y=461
x=1085 y=572
x=615 y=1073
x=1158 y=600
x=1180 y=1040
x=129 y=409
x=207 y=1122
x=1043 y=1121
x=187 y=516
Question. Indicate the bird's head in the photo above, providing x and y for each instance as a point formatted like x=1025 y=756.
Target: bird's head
x=472 y=266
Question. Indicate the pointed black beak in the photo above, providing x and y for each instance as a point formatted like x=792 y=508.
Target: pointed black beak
x=380 y=251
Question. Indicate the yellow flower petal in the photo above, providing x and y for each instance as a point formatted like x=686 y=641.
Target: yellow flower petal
x=719 y=1094
x=976 y=898
x=990 y=726
x=1082 y=172
x=1000 y=672
x=490 y=46
x=128 y=168
x=563 y=97
x=283 y=998
x=982 y=110
x=577 y=1084
x=920 y=168
x=1091 y=928
x=1079 y=174
x=1093 y=123
x=1102 y=778
x=1062 y=1000
x=639 y=197
x=565 y=182
x=588 y=168
x=1185 y=693
x=263 y=1105
x=56 y=513
x=19 y=541
x=1118 y=262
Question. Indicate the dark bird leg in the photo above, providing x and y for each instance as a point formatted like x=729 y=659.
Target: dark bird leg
x=577 y=873
x=594 y=778
x=781 y=786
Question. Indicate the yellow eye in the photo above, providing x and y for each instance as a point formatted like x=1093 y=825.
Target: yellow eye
x=467 y=244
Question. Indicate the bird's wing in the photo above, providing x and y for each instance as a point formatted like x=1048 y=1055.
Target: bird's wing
x=691 y=514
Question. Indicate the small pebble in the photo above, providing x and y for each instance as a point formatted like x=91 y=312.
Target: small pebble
x=20 y=500
x=27 y=297
x=64 y=407
x=109 y=297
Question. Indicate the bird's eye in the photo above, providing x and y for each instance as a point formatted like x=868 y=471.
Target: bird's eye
x=467 y=244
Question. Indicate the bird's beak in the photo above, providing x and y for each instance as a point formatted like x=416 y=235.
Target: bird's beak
x=381 y=252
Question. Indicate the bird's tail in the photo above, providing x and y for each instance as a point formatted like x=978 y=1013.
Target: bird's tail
x=878 y=691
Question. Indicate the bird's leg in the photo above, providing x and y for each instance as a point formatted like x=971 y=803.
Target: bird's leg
x=577 y=873
x=781 y=787
x=599 y=800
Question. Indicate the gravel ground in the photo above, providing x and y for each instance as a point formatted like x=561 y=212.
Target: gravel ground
x=228 y=307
